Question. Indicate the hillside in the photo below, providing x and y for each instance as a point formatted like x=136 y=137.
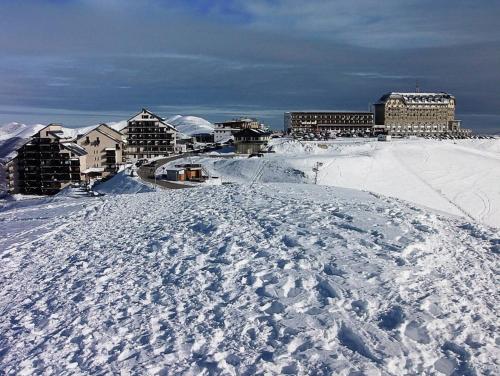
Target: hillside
x=460 y=177
x=278 y=278
x=190 y=125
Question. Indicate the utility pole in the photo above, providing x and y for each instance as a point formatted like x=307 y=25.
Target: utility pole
x=315 y=169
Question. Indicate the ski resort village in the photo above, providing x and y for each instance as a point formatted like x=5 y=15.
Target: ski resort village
x=347 y=243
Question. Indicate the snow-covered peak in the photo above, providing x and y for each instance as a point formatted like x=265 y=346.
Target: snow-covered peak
x=190 y=125
x=20 y=130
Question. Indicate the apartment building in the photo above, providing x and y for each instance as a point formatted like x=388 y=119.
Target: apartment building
x=224 y=131
x=47 y=162
x=336 y=122
x=105 y=149
x=420 y=114
x=250 y=141
x=149 y=136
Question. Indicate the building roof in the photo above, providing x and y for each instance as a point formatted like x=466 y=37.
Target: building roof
x=74 y=148
x=159 y=118
x=239 y=120
x=418 y=98
x=103 y=128
x=249 y=132
x=93 y=169
x=340 y=112
x=176 y=169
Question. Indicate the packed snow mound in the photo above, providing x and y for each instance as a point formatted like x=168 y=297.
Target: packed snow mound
x=190 y=125
x=268 y=279
x=123 y=183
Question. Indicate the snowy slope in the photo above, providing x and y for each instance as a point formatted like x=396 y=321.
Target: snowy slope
x=190 y=125
x=460 y=177
x=19 y=130
x=275 y=279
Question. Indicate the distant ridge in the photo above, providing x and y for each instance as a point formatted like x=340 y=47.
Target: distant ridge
x=190 y=125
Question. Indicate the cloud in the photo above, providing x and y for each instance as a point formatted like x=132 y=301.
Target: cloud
x=263 y=56
x=383 y=24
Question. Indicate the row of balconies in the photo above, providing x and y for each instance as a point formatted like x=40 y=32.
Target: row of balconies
x=144 y=142
x=146 y=130
x=144 y=123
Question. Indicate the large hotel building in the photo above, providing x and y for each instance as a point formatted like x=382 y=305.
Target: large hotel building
x=327 y=122
x=419 y=114
x=398 y=114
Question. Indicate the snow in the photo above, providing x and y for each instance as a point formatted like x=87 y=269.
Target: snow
x=191 y=125
x=245 y=279
x=14 y=129
x=268 y=275
x=459 y=177
x=123 y=183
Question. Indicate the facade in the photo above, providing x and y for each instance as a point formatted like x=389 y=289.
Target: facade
x=175 y=174
x=225 y=131
x=250 y=141
x=8 y=176
x=12 y=176
x=419 y=114
x=204 y=138
x=48 y=162
x=149 y=136
x=105 y=148
x=332 y=123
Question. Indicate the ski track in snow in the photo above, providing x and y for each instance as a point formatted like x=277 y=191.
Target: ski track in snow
x=269 y=278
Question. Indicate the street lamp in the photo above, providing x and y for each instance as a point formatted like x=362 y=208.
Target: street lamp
x=315 y=169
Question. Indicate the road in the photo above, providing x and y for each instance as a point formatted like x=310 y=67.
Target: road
x=144 y=172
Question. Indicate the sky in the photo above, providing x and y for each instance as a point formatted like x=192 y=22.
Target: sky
x=81 y=62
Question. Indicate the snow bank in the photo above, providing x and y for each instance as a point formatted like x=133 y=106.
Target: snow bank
x=272 y=279
x=123 y=183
